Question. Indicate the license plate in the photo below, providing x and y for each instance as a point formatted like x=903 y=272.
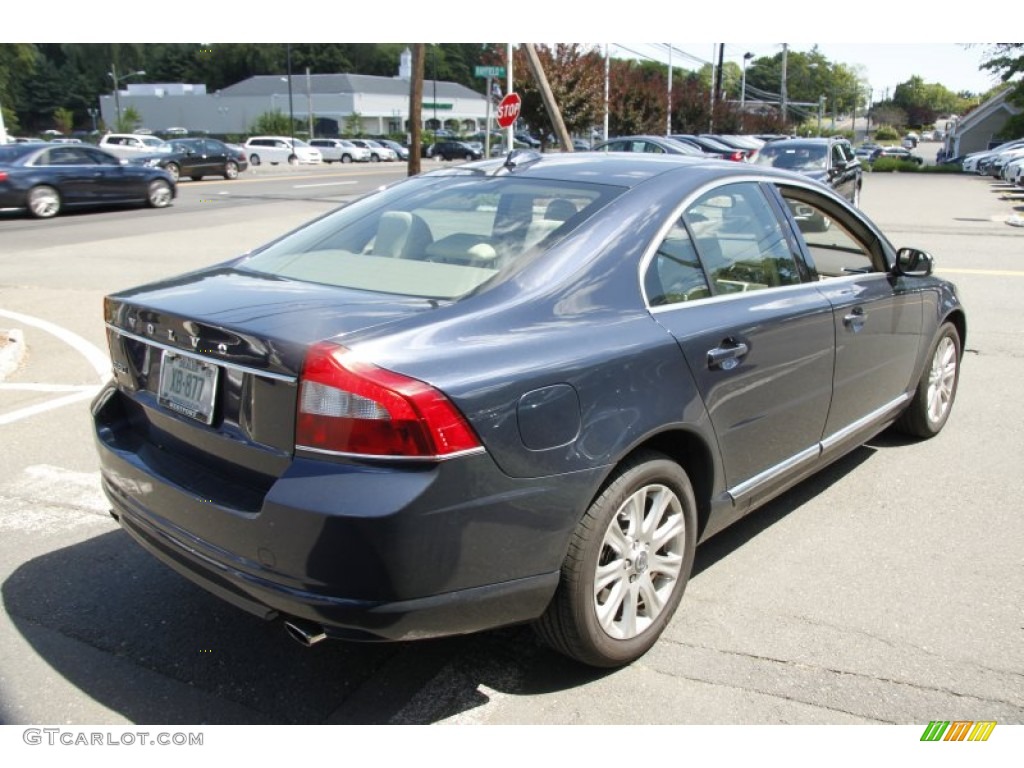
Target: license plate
x=187 y=386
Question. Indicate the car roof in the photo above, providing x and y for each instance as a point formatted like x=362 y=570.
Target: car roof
x=623 y=169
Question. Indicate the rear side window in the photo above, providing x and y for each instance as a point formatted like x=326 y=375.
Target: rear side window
x=740 y=240
x=437 y=237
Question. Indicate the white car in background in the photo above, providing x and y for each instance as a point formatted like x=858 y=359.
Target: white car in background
x=1013 y=172
x=971 y=160
x=130 y=145
x=378 y=152
x=340 y=151
x=280 y=149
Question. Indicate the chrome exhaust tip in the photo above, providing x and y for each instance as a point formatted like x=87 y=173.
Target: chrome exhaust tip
x=306 y=633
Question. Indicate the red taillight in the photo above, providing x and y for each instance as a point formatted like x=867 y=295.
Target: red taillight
x=737 y=156
x=350 y=406
x=3 y=175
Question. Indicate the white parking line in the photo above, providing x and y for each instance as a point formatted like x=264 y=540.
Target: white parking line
x=96 y=357
x=7 y=386
x=49 y=405
x=325 y=184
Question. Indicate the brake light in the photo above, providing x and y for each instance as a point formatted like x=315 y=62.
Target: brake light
x=350 y=406
x=3 y=175
x=737 y=156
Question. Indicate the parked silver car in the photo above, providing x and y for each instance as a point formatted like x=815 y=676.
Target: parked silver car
x=340 y=151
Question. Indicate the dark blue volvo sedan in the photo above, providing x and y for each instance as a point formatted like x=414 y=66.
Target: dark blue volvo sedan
x=512 y=391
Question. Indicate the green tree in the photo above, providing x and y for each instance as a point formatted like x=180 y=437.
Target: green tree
x=64 y=119
x=924 y=102
x=129 y=121
x=17 y=62
x=576 y=76
x=566 y=69
x=636 y=98
x=273 y=124
x=809 y=76
x=353 y=127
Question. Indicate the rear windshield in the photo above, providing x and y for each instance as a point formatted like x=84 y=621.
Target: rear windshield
x=12 y=152
x=434 y=236
x=794 y=157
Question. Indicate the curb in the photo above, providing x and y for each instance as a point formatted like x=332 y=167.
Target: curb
x=12 y=352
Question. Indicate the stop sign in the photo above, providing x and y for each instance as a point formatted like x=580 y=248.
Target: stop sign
x=508 y=110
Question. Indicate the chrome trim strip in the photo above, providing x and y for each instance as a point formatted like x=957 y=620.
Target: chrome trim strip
x=750 y=485
x=832 y=440
x=376 y=457
x=814 y=452
x=205 y=358
x=721 y=297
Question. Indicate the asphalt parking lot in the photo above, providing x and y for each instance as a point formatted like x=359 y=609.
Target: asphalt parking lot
x=888 y=590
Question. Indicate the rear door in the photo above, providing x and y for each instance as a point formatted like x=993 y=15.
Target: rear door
x=727 y=281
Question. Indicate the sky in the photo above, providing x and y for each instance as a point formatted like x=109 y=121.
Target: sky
x=896 y=41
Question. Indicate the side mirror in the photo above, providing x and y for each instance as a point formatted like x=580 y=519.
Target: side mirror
x=912 y=262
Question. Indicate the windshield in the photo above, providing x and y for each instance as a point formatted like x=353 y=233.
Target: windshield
x=794 y=157
x=433 y=236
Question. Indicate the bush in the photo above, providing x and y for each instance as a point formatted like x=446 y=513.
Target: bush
x=895 y=165
x=886 y=133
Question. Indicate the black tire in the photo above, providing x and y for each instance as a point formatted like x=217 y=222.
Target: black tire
x=159 y=194
x=174 y=170
x=196 y=178
x=44 y=202
x=230 y=170
x=254 y=159
x=933 y=400
x=618 y=623
x=374 y=158
x=293 y=160
x=469 y=156
x=346 y=158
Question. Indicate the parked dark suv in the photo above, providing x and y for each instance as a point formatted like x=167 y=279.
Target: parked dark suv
x=455 y=150
x=830 y=161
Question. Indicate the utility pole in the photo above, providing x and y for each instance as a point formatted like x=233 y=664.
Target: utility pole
x=549 y=98
x=510 y=132
x=416 y=108
x=309 y=101
x=607 y=79
x=782 y=91
x=291 y=107
x=711 y=116
x=721 y=71
x=668 y=112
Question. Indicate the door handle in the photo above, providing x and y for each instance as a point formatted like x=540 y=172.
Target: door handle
x=856 y=319
x=728 y=355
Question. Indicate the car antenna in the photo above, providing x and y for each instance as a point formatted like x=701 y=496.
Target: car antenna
x=518 y=157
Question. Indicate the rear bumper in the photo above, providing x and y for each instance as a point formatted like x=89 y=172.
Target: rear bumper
x=366 y=551
x=460 y=612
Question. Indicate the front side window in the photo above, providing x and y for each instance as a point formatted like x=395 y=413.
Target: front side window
x=437 y=237
x=834 y=247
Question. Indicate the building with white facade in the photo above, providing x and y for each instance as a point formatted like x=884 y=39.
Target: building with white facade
x=338 y=104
